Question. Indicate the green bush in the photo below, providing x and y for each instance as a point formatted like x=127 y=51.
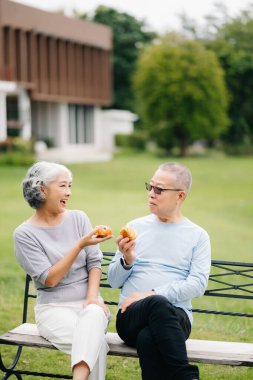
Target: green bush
x=17 y=158
x=243 y=149
x=21 y=145
x=6 y=145
x=15 y=144
x=137 y=140
x=121 y=140
x=16 y=151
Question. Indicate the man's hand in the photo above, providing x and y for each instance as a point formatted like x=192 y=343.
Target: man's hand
x=127 y=248
x=133 y=297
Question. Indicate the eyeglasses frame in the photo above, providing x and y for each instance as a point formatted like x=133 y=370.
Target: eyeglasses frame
x=160 y=190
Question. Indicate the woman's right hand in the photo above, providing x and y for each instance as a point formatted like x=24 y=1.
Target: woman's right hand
x=92 y=239
x=98 y=302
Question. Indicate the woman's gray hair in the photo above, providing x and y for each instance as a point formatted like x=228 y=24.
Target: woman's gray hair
x=41 y=174
x=182 y=174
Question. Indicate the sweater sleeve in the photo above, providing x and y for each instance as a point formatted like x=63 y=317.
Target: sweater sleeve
x=117 y=274
x=31 y=257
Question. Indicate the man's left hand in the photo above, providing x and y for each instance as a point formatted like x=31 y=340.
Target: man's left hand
x=133 y=297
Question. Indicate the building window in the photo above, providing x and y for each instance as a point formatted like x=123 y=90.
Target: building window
x=81 y=124
x=13 y=124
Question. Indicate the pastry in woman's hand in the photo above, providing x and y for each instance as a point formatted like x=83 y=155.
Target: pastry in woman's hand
x=103 y=231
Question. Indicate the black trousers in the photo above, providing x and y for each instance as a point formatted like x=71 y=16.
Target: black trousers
x=158 y=330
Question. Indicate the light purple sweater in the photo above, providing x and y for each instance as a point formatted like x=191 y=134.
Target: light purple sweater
x=38 y=248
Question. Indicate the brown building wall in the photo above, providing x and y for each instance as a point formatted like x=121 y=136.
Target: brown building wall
x=57 y=58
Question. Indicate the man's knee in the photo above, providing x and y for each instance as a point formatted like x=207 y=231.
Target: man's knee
x=159 y=301
x=159 y=309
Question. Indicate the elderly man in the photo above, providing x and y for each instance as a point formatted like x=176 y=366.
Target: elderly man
x=159 y=273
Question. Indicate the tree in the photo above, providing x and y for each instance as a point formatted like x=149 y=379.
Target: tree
x=233 y=46
x=231 y=39
x=129 y=37
x=181 y=92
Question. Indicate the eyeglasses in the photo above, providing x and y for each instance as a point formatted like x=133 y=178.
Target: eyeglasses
x=158 y=190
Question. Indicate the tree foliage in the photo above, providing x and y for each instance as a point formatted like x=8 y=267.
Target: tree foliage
x=231 y=39
x=233 y=46
x=181 y=92
x=129 y=37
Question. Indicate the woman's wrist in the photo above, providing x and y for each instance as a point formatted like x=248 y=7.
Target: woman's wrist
x=91 y=297
x=81 y=244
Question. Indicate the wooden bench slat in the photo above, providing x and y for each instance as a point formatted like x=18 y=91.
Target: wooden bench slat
x=219 y=352
x=25 y=340
x=26 y=335
x=201 y=351
x=118 y=347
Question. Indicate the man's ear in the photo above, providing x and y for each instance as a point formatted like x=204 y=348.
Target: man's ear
x=182 y=195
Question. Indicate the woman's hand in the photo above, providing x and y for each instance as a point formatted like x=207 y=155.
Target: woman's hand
x=92 y=239
x=97 y=301
x=59 y=269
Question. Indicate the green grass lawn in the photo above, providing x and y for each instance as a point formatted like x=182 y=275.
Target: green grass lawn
x=221 y=200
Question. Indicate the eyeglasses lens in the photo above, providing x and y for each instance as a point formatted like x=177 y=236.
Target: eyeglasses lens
x=149 y=187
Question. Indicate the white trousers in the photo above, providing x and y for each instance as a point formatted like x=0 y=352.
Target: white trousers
x=76 y=331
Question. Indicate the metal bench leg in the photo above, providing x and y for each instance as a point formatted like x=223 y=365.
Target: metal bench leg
x=9 y=370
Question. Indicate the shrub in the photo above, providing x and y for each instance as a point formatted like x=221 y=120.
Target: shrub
x=243 y=149
x=17 y=158
x=16 y=151
x=16 y=144
x=137 y=140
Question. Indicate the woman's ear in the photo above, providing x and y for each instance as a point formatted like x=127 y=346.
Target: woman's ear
x=43 y=191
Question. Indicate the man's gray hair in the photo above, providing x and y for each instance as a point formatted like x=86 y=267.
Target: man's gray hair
x=41 y=174
x=182 y=175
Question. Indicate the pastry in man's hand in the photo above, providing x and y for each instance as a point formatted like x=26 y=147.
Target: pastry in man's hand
x=129 y=232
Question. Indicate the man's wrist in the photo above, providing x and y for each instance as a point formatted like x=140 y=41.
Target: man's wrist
x=125 y=264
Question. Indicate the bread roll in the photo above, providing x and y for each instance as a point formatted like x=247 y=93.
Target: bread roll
x=103 y=231
x=129 y=232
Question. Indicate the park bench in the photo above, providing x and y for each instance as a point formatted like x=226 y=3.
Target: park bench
x=228 y=279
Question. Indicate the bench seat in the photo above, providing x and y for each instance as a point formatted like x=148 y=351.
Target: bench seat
x=201 y=351
x=228 y=280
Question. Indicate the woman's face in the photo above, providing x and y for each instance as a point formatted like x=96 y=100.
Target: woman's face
x=57 y=193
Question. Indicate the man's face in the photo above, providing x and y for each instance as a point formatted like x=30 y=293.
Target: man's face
x=165 y=204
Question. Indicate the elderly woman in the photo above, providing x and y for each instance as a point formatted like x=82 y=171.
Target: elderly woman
x=58 y=248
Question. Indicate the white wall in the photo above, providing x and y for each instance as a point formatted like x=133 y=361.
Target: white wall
x=111 y=122
x=24 y=108
x=52 y=121
x=3 y=119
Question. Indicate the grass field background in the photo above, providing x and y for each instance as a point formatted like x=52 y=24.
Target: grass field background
x=221 y=201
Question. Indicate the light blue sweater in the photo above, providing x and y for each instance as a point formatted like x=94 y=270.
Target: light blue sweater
x=173 y=259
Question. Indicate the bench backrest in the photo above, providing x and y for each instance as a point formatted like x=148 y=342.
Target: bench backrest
x=228 y=279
